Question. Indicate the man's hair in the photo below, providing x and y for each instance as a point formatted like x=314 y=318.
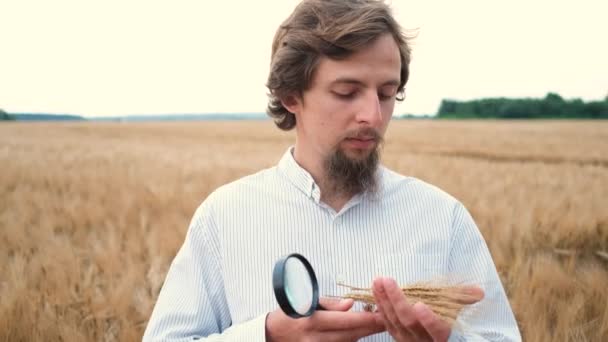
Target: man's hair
x=330 y=28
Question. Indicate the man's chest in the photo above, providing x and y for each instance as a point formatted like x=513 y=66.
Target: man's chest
x=349 y=250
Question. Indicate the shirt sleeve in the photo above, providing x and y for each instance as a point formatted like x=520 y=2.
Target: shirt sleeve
x=491 y=319
x=192 y=303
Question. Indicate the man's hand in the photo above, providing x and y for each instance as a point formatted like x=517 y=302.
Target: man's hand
x=407 y=322
x=335 y=323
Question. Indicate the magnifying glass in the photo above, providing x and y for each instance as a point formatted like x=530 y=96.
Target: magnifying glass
x=295 y=286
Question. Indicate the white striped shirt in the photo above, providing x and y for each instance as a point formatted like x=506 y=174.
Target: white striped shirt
x=219 y=286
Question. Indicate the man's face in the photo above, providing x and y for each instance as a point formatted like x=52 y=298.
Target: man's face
x=349 y=103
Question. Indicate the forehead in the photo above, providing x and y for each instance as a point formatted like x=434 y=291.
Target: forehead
x=377 y=63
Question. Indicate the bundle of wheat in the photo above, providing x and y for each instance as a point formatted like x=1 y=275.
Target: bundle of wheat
x=445 y=301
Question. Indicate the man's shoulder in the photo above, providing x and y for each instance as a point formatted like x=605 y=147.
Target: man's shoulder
x=241 y=193
x=396 y=184
x=245 y=187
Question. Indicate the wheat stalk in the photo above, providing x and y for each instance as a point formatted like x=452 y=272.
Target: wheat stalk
x=445 y=301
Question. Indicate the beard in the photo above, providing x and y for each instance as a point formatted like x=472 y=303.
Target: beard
x=347 y=176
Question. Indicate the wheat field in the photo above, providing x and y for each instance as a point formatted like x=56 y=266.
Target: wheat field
x=91 y=214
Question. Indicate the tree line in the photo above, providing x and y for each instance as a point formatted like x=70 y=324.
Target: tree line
x=5 y=116
x=551 y=106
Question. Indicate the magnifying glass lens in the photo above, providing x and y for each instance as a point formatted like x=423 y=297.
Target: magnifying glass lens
x=298 y=286
x=295 y=286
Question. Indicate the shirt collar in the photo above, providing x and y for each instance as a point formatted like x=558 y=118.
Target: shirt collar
x=304 y=182
x=298 y=176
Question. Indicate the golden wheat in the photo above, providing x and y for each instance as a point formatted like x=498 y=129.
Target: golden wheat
x=446 y=301
x=91 y=214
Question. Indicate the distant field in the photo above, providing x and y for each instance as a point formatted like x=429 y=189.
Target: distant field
x=91 y=214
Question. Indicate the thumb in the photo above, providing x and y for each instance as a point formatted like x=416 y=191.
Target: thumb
x=332 y=304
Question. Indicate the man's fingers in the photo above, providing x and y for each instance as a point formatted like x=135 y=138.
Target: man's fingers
x=332 y=304
x=334 y=320
x=385 y=307
x=351 y=334
x=383 y=319
x=438 y=329
x=403 y=310
x=400 y=316
x=469 y=295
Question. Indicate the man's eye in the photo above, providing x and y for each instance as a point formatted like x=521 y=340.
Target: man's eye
x=387 y=94
x=345 y=96
x=385 y=97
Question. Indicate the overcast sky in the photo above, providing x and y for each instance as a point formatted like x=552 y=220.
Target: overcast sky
x=119 y=57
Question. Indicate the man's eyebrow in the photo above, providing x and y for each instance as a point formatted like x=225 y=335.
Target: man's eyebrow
x=348 y=80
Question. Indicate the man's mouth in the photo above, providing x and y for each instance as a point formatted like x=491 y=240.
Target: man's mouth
x=362 y=138
x=361 y=142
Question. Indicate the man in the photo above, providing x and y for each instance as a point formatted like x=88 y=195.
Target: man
x=337 y=68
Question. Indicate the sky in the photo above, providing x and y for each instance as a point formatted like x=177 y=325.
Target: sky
x=129 y=57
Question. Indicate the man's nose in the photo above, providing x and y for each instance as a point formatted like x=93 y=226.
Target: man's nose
x=371 y=111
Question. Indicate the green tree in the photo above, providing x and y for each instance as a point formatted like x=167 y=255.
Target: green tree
x=551 y=106
x=5 y=116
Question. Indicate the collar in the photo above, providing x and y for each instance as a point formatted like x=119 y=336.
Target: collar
x=304 y=182
x=298 y=176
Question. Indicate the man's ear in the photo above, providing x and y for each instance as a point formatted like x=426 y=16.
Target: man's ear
x=292 y=103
